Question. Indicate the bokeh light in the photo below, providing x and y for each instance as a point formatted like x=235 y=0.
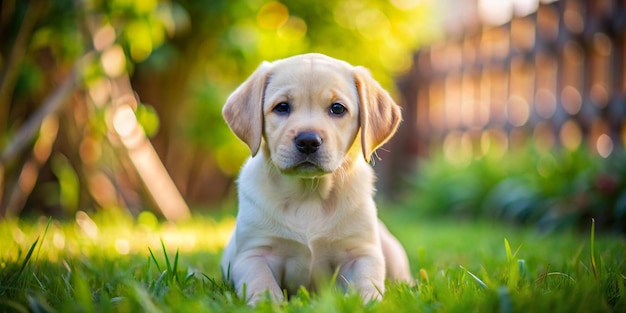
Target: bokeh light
x=518 y=110
x=604 y=145
x=571 y=135
x=529 y=73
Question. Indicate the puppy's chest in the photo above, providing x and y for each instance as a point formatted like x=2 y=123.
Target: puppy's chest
x=307 y=220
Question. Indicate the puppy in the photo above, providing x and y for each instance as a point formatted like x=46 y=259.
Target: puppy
x=306 y=208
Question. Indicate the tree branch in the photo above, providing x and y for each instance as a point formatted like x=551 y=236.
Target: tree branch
x=51 y=105
x=13 y=62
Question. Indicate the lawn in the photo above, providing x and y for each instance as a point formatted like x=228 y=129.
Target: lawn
x=109 y=262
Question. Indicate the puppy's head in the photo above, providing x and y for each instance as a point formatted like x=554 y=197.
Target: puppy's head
x=309 y=109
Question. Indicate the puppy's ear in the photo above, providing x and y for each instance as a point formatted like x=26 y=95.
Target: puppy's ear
x=379 y=114
x=243 y=110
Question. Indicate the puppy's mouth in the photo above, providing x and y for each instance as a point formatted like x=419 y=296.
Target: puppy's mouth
x=306 y=168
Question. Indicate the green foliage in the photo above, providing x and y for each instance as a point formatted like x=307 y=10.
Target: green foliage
x=553 y=190
x=148 y=119
x=182 y=58
x=224 y=42
x=51 y=266
x=68 y=182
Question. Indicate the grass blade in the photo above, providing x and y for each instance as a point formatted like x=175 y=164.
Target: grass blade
x=154 y=259
x=593 y=256
x=227 y=274
x=45 y=231
x=211 y=280
x=168 y=265
x=175 y=268
x=12 y=280
x=480 y=282
x=190 y=275
x=26 y=260
x=507 y=248
x=562 y=275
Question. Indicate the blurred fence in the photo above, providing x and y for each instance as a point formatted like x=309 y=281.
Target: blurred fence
x=555 y=77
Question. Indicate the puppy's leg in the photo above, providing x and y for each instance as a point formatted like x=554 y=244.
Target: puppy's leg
x=366 y=274
x=396 y=261
x=255 y=273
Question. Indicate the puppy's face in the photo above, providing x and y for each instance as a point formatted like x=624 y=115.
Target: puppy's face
x=311 y=116
x=309 y=109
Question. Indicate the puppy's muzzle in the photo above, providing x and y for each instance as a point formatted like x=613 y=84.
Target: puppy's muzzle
x=308 y=142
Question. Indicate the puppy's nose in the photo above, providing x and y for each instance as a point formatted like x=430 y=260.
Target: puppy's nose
x=308 y=142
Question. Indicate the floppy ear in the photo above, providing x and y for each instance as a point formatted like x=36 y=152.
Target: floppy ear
x=379 y=114
x=243 y=110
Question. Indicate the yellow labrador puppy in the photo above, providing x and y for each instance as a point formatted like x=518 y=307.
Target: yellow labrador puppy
x=306 y=208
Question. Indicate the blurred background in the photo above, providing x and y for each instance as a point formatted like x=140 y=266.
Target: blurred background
x=513 y=109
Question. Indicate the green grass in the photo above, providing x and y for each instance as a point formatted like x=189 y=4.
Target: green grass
x=112 y=263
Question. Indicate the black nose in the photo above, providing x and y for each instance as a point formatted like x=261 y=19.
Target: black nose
x=308 y=142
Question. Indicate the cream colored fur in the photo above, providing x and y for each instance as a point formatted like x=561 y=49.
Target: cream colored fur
x=304 y=216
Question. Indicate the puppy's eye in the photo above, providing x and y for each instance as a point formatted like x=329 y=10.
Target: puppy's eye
x=282 y=108
x=337 y=109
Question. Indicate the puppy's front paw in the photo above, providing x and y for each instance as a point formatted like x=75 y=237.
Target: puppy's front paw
x=371 y=293
x=257 y=297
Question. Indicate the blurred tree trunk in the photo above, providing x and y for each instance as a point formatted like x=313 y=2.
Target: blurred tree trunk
x=194 y=171
x=75 y=156
x=12 y=57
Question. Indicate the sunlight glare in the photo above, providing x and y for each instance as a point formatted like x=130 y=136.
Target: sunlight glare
x=122 y=246
x=272 y=15
x=124 y=121
x=113 y=61
x=58 y=240
x=525 y=7
x=604 y=145
x=87 y=224
x=104 y=37
x=495 y=12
